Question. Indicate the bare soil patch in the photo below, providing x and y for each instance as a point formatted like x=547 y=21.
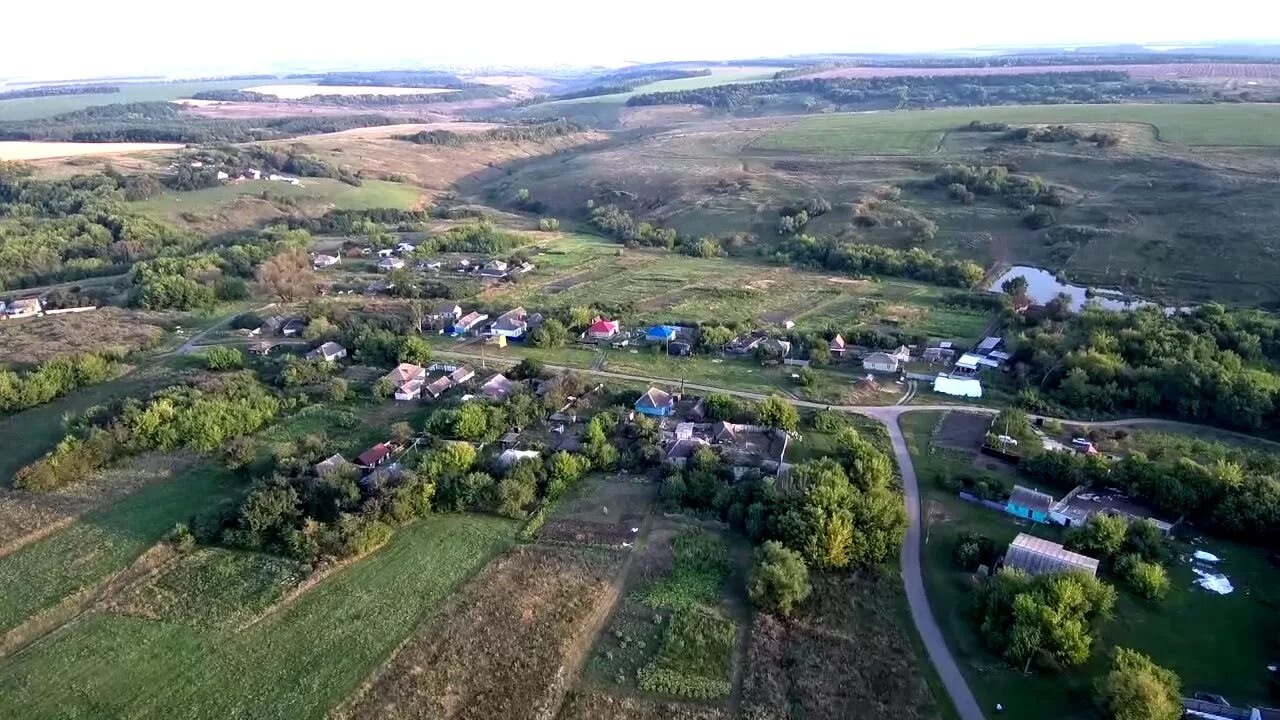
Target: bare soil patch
x=30 y=341
x=502 y=652
x=962 y=431
x=844 y=656
x=595 y=705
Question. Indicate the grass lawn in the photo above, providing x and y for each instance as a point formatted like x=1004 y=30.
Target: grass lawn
x=1187 y=632
x=339 y=195
x=297 y=663
x=921 y=132
x=102 y=542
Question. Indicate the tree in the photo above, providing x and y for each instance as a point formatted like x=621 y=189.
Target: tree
x=518 y=489
x=580 y=316
x=415 y=349
x=775 y=412
x=551 y=333
x=287 y=276
x=548 y=224
x=319 y=328
x=779 y=579
x=721 y=407
x=563 y=470
x=1047 y=618
x=401 y=432
x=1016 y=288
x=1138 y=689
x=1101 y=537
x=807 y=377
x=383 y=388
x=527 y=369
x=1147 y=579
x=338 y=389
x=224 y=358
x=456 y=457
x=471 y=422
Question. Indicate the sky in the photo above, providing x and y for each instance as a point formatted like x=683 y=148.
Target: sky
x=75 y=38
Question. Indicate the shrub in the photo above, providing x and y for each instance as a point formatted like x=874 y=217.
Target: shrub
x=779 y=580
x=1138 y=689
x=1147 y=579
x=224 y=358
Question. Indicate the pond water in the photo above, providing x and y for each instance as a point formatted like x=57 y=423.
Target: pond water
x=1043 y=286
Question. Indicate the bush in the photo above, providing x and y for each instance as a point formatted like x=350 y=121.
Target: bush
x=779 y=580
x=1147 y=579
x=224 y=358
x=1138 y=689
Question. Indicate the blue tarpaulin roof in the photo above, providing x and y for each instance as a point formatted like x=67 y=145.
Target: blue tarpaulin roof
x=665 y=332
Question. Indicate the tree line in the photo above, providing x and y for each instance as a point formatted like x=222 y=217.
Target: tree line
x=167 y=122
x=55 y=378
x=521 y=132
x=623 y=81
x=929 y=91
x=858 y=259
x=59 y=90
x=197 y=417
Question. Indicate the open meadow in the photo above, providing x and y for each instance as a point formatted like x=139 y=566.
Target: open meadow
x=130 y=92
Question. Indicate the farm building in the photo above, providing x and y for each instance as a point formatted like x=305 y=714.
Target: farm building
x=407 y=379
x=957 y=386
x=261 y=348
x=655 y=402
x=437 y=387
x=405 y=247
x=292 y=327
x=461 y=375
x=447 y=313
x=330 y=464
x=1029 y=504
x=881 y=362
x=942 y=353
x=324 y=261
x=744 y=344
x=328 y=352
x=388 y=264
x=661 y=333
x=681 y=450
x=679 y=349
x=1037 y=556
x=603 y=329
x=1082 y=503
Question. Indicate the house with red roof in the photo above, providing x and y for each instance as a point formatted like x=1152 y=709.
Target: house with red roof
x=374 y=456
x=603 y=329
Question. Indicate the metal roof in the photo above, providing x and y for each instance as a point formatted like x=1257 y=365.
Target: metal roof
x=1028 y=498
x=1038 y=556
x=959 y=387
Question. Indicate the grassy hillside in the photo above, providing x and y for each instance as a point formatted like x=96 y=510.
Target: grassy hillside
x=919 y=132
x=30 y=108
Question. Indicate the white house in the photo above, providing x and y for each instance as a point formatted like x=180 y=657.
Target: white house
x=511 y=324
x=881 y=362
x=328 y=352
x=324 y=261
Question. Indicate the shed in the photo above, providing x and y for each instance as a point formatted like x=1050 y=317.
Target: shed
x=1039 y=557
x=660 y=333
x=1029 y=504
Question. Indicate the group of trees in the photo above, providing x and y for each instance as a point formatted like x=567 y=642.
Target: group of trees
x=1209 y=365
x=54 y=378
x=198 y=417
x=917 y=263
x=167 y=122
x=1133 y=551
x=1045 y=620
x=963 y=182
x=793 y=218
x=928 y=91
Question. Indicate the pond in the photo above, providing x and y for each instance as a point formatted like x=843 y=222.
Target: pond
x=1043 y=286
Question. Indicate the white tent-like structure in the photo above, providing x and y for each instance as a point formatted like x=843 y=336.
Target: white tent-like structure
x=957 y=387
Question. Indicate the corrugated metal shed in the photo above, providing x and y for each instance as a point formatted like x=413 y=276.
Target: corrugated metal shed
x=1038 y=557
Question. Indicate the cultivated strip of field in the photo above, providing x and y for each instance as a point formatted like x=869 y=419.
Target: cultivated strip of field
x=919 y=132
x=503 y=652
x=298 y=663
x=1167 y=71
x=36 y=150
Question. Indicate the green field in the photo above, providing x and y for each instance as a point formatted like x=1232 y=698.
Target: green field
x=102 y=542
x=1185 y=632
x=320 y=191
x=665 y=287
x=921 y=132
x=31 y=108
x=298 y=662
x=716 y=78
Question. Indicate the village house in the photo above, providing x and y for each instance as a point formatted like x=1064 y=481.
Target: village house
x=656 y=403
x=333 y=463
x=386 y=252
x=461 y=375
x=1037 y=556
x=389 y=264
x=773 y=348
x=374 y=456
x=603 y=329
x=437 y=387
x=683 y=449
x=881 y=362
x=837 y=346
x=324 y=261
x=27 y=307
x=511 y=324
x=940 y=353
x=493 y=270
x=446 y=314
x=524 y=267
x=744 y=344
x=328 y=352
x=269 y=326
x=407 y=380
x=262 y=348
x=468 y=322
x=1029 y=504
x=497 y=387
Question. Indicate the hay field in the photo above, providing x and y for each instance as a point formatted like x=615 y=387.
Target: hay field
x=921 y=132
x=296 y=91
x=35 y=150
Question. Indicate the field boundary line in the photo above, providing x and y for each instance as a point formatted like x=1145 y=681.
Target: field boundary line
x=38 y=534
x=307 y=585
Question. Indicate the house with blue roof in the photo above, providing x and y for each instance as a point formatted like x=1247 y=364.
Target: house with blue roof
x=661 y=333
x=656 y=403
